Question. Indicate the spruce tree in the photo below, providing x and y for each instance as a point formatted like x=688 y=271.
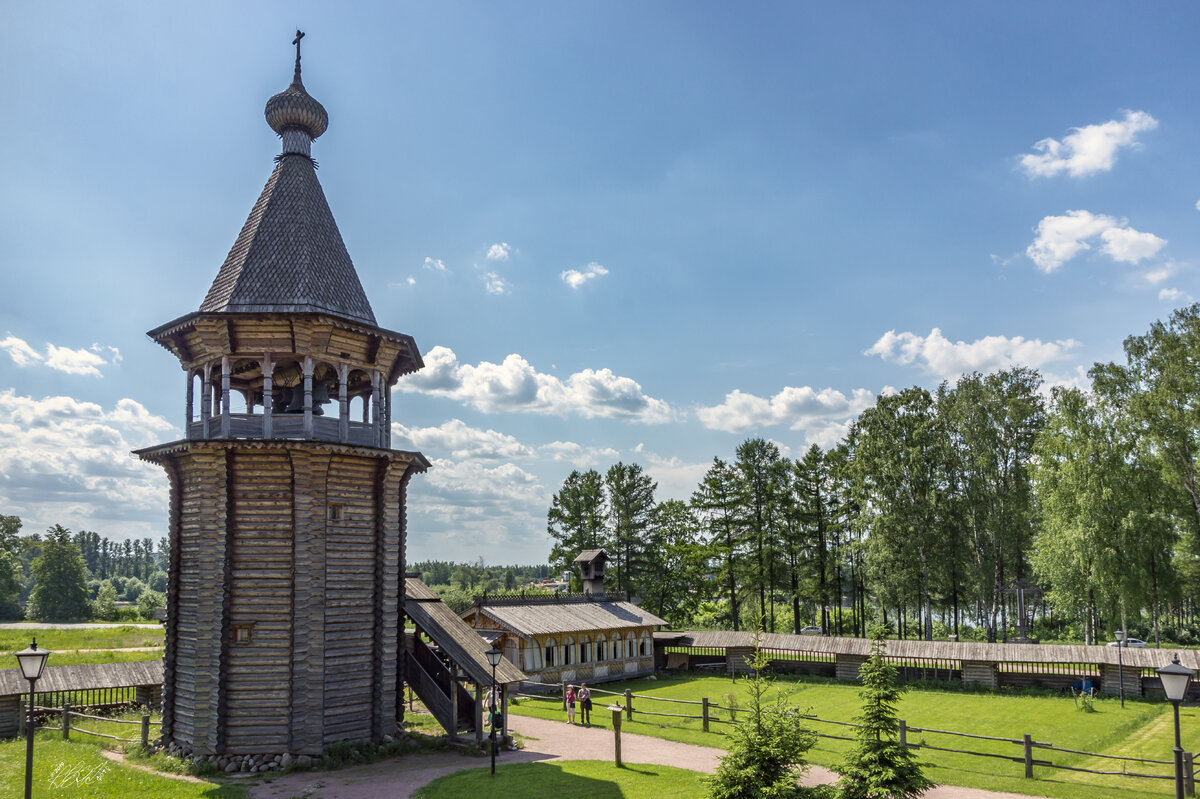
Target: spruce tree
x=878 y=766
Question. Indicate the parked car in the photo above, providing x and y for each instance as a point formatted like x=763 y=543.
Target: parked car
x=1136 y=643
x=811 y=629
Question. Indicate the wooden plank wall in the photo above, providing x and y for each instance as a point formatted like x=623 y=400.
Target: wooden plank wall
x=202 y=555
x=974 y=673
x=259 y=670
x=350 y=599
x=310 y=468
x=11 y=709
x=848 y=666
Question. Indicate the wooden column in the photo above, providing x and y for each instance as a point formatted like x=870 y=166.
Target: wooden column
x=191 y=400
x=225 y=366
x=478 y=715
x=344 y=403
x=387 y=416
x=308 y=414
x=376 y=401
x=268 y=395
x=205 y=400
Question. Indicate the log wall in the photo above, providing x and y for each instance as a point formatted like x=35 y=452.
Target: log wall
x=283 y=621
x=258 y=670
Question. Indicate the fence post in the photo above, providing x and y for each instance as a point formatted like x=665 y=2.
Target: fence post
x=704 y=711
x=629 y=704
x=903 y=735
x=1189 y=774
x=1028 y=757
x=66 y=721
x=145 y=729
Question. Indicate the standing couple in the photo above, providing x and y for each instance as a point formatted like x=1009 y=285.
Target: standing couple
x=584 y=697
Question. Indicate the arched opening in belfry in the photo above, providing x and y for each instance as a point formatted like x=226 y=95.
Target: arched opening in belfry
x=359 y=385
x=287 y=393
x=242 y=378
x=325 y=389
x=195 y=395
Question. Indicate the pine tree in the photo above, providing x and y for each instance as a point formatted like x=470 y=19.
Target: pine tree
x=878 y=766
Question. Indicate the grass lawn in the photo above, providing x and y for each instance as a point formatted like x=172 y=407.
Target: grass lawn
x=65 y=645
x=1142 y=729
x=594 y=779
x=71 y=769
x=56 y=640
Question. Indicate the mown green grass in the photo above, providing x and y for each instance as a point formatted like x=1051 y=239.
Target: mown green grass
x=1140 y=729
x=73 y=638
x=594 y=779
x=72 y=769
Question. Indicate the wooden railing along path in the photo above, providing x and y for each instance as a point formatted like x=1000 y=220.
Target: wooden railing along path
x=67 y=714
x=1026 y=742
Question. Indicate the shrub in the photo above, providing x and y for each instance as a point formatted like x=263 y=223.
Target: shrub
x=148 y=602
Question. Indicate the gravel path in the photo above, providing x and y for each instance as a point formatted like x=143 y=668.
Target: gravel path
x=544 y=740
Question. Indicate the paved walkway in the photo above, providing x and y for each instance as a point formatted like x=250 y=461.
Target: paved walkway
x=544 y=740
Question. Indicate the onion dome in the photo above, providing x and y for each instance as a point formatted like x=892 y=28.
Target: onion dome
x=294 y=111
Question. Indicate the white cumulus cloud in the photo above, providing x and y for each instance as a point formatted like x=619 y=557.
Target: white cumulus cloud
x=435 y=264
x=494 y=284
x=457 y=439
x=499 y=251
x=800 y=408
x=1087 y=150
x=1061 y=238
x=576 y=278
x=65 y=460
x=62 y=359
x=1174 y=295
x=514 y=385
x=937 y=355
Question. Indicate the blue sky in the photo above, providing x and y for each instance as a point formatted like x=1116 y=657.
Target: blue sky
x=636 y=231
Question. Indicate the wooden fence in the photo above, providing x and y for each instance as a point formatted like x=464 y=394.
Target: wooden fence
x=707 y=718
x=67 y=715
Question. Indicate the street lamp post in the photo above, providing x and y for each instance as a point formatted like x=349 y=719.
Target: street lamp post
x=1121 y=635
x=32 y=661
x=493 y=656
x=1175 y=678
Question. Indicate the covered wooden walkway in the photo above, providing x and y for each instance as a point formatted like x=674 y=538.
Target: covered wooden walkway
x=992 y=665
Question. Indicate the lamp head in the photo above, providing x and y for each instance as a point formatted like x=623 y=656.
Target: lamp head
x=493 y=656
x=1120 y=635
x=32 y=661
x=1175 y=678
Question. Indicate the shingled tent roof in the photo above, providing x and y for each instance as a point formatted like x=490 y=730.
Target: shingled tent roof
x=290 y=256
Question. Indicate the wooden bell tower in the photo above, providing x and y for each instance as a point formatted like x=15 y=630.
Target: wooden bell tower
x=287 y=506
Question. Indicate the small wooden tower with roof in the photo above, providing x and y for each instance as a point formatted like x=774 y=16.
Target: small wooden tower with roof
x=287 y=506
x=591 y=571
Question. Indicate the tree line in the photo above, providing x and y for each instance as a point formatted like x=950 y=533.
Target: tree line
x=66 y=576
x=933 y=511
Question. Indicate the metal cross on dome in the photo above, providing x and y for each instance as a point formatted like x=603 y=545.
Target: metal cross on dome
x=296 y=41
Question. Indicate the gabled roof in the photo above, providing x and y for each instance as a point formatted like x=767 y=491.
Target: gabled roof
x=588 y=555
x=84 y=678
x=290 y=256
x=551 y=618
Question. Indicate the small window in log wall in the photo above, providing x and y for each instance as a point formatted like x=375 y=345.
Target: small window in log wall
x=242 y=633
x=336 y=511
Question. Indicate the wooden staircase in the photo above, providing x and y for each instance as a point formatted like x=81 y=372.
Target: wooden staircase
x=450 y=703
